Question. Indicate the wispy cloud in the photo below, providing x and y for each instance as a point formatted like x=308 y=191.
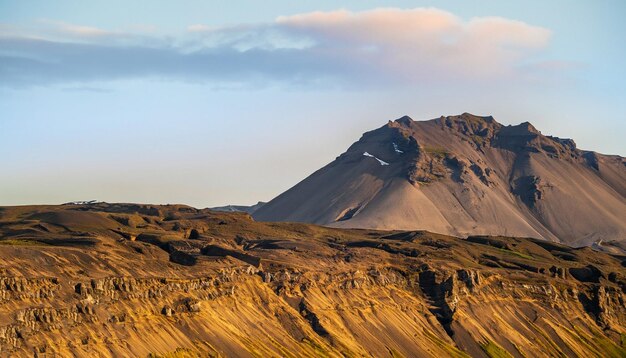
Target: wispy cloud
x=199 y=28
x=87 y=89
x=80 y=30
x=376 y=47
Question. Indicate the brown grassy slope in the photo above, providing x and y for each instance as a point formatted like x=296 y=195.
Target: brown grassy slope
x=174 y=279
x=464 y=175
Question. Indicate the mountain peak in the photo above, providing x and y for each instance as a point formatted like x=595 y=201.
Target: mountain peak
x=524 y=128
x=467 y=115
x=471 y=125
x=404 y=120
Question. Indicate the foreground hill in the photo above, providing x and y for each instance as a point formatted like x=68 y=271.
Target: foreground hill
x=462 y=175
x=130 y=280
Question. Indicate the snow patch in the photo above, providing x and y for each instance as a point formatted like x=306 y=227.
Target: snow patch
x=82 y=202
x=395 y=147
x=382 y=162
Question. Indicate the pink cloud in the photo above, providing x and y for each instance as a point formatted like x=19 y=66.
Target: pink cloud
x=389 y=26
x=417 y=42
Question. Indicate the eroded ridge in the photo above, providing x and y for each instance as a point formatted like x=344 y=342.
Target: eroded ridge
x=126 y=279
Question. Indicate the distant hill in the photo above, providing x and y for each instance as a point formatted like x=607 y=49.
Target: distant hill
x=461 y=175
x=250 y=209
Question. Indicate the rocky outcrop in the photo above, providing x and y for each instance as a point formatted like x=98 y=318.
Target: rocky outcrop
x=483 y=173
x=479 y=131
x=589 y=273
x=214 y=250
x=18 y=288
x=445 y=289
x=530 y=189
x=423 y=165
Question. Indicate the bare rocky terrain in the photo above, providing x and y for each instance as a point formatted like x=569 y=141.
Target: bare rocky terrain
x=102 y=279
x=465 y=175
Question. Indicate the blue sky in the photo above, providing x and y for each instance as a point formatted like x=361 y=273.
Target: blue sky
x=215 y=102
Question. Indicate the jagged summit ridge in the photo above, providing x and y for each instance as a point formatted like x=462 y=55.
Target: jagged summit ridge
x=464 y=174
x=484 y=130
x=425 y=164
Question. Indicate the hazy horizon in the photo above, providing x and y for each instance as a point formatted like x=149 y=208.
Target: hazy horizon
x=209 y=105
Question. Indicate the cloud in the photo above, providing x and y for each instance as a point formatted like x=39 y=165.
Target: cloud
x=416 y=44
x=198 y=28
x=80 y=30
x=87 y=89
x=376 y=47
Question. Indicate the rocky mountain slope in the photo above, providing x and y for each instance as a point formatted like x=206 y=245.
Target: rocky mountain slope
x=461 y=175
x=132 y=280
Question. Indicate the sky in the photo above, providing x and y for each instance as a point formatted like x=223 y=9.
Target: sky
x=210 y=103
